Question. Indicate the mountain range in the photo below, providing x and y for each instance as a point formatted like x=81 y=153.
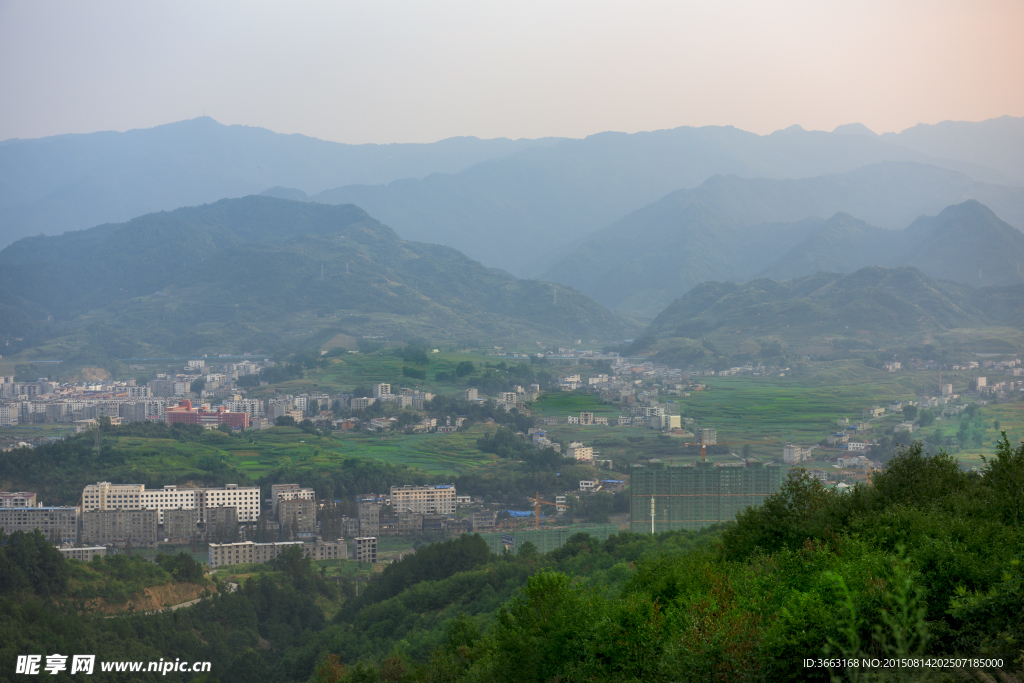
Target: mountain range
x=732 y=228
x=868 y=309
x=517 y=205
x=261 y=273
x=71 y=182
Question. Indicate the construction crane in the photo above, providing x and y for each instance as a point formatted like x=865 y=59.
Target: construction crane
x=703 y=446
x=536 y=508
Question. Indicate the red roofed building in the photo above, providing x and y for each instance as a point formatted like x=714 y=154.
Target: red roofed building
x=184 y=413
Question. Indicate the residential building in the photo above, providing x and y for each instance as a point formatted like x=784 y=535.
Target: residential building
x=279 y=492
x=107 y=496
x=369 y=517
x=365 y=549
x=362 y=402
x=21 y=499
x=222 y=554
x=580 y=452
x=589 y=485
x=438 y=499
x=298 y=515
x=586 y=419
x=59 y=525
x=117 y=527
x=837 y=439
x=873 y=411
x=180 y=525
x=381 y=390
x=245 y=499
x=83 y=554
x=184 y=413
x=791 y=455
x=708 y=437
x=221 y=523
x=472 y=394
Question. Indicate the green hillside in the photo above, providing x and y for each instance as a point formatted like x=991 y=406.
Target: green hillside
x=820 y=313
x=257 y=273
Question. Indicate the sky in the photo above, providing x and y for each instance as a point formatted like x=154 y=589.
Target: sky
x=401 y=71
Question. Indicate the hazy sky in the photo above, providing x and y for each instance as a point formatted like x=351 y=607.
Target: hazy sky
x=397 y=71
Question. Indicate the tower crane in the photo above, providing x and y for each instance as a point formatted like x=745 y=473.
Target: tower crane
x=536 y=508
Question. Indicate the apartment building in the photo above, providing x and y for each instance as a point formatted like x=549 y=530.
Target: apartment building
x=297 y=514
x=245 y=499
x=115 y=527
x=59 y=525
x=280 y=492
x=365 y=549
x=180 y=525
x=20 y=499
x=439 y=499
x=221 y=554
x=83 y=554
x=106 y=496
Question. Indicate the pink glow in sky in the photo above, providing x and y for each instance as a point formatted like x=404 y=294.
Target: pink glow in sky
x=420 y=71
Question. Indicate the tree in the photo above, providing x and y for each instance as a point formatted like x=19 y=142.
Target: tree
x=197 y=386
x=313 y=407
x=464 y=368
x=284 y=421
x=926 y=418
x=909 y=412
x=1004 y=476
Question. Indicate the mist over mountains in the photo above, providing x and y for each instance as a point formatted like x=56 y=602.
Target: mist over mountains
x=496 y=200
x=548 y=199
x=732 y=228
x=72 y=182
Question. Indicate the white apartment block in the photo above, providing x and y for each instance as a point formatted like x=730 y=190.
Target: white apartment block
x=222 y=554
x=439 y=499
x=83 y=554
x=280 y=492
x=380 y=390
x=107 y=496
x=8 y=415
x=252 y=406
x=20 y=499
x=245 y=499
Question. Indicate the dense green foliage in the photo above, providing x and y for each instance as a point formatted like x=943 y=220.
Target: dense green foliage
x=240 y=273
x=924 y=561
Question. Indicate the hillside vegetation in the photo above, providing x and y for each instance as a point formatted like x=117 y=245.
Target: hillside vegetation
x=925 y=562
x=259 y=273
x=827 y=312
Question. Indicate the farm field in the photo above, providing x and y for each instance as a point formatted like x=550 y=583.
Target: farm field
x=289 y=447
x=777 y=410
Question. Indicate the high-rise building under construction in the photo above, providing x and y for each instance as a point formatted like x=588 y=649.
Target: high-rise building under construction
x=696 y=495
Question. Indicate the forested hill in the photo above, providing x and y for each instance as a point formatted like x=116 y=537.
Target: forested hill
x=871 y=307
x=924 y=562
x=243 y=274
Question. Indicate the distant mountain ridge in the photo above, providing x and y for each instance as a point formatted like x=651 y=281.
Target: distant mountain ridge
x=466 y=193
x=257 y=273
x=732 y=228
x=72 y=182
